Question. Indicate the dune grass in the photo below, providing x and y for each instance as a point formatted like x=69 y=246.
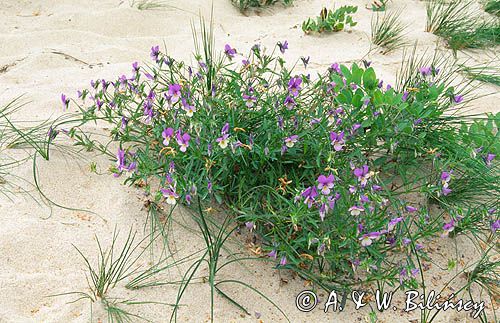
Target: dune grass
x=243 y=5
x=388 y=32
x=460 y=25
x=486 y=74
x=492 y=6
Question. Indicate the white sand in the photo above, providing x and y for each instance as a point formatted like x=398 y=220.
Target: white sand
x=58 y=46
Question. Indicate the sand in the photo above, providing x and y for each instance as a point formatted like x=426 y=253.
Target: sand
x=51 y=47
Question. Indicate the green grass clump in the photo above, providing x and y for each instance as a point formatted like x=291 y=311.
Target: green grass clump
x=492 y=6
x=486 y=74
x=331 y=20
x=460 y=26
x=148 y=4
x=388 y=32
x=248 y=4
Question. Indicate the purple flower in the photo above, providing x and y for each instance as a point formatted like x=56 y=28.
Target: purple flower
x=250 y=225
x=290 y=141
x=289 y=102
x=283 y=261
x=425 y=71
x=135 y=68
x=495 y=226
x=167 y=134
x=445 y=190
x=489 y=158
x=223 y=141
x=190 y=109
x=325 y=184
x=356 y=210
x=170 y=195
x=183 y=140
x=337 y=140
x=273 y=254
x=120 y=159
x=294 y=85
x=363 y=174
x=368 y=238
x=449 y=226
x=309 y=194
x=229 y=51
x=393 y=223
x=405 y=96
x=458 y=98
x=155 y=52
x=283 y=46
x=249 y=100
x=174 y=91
x=335 y=67
x=65 y=101
x=411 y=209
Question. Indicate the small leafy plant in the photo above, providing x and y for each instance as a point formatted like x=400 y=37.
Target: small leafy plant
x=379 y=5
x=331 y=20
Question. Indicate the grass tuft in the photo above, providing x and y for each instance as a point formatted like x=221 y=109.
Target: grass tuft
x=388 y=31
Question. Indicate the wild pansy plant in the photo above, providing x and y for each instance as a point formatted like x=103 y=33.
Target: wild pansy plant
x=309 y=163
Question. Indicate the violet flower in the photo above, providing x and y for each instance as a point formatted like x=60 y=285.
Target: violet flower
x=411 y=209
x=336 y=67
x=155 y=52
x=425 y=71
x=65 y=101
x=457 y=99
x=289 y=102
x=249 y=100
x=190 y=109
x=283 y=261
x=294 y=85
x=250 y=225
x=290 y=141
x=229 y=51
x=170 y=195
x=325 y=184
x=309 y=194
x=495 y=226
x=448 y=227
x=367 y=239
x=489 y=158
x=337 y=140
x=174 y=91
x=356 y=210
x=167 y=134
x=223 y=141
x=363 y=174
x=183 y=140
x=283 y=46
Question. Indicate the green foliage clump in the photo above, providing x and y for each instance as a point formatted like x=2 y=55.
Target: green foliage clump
x=460 y=26
x=492 y=6
x=313 y=165
x=388 y=32
x=331 y=20
x=247 y=4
